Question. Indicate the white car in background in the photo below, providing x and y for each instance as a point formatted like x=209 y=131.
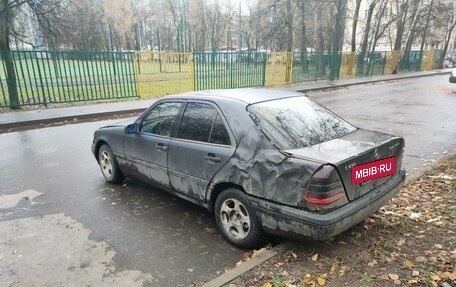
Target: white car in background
x=453 y=76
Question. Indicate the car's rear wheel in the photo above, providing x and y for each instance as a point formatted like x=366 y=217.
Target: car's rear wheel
x=108 y=165
x=237 y=220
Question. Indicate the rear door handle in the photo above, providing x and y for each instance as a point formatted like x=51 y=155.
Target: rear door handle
x=161 y=147
x=212 y=158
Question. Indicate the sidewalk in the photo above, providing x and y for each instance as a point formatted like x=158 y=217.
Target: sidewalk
x=24 y=119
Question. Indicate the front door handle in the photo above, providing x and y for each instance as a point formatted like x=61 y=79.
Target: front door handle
x=212 y=158
x=161 y=147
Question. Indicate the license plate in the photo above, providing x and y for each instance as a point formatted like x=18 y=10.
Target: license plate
x=373 y=170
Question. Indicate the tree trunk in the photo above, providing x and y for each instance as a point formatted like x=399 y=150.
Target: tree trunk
x=355 y=24
x=5 y=54
x=303 y=37
x=289 y=23
x=447 y=40
x=364 y=49
x=411 y=36
x=426 y=27
x=400 y=25
x=338 y=33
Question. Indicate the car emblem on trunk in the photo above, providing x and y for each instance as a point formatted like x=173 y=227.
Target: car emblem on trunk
x=376 y=155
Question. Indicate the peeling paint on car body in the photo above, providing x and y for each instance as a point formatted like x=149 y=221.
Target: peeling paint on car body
x=273 y=178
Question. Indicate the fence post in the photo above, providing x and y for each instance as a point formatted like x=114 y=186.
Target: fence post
x=11 y=80
x=264 y=68
x=136 y=71
x=193 y=74
x=41 y=81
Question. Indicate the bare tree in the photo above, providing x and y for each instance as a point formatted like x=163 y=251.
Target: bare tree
x=47 y=14
x=355 y=25
x=179 y=11
x=451 y=13
x=216 y=21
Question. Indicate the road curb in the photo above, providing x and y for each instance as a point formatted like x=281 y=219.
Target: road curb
x=45 y=121
x=368 y=82
x=237 y=271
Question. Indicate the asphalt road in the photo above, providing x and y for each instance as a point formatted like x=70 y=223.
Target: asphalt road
x=174 y=241
x=60 y=223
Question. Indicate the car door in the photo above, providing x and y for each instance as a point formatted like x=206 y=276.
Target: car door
x=203 y=144
x=146 y=151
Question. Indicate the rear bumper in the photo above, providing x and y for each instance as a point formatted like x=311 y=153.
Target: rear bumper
x=290 y=221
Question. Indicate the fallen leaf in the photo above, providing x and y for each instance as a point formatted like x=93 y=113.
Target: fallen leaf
x=321 y=281
x=401 y=242
x=412 y=281
x=315 y=257
x=393 y=276
x=343 y=270
x=308 y=280
x=452 y=275
x=258 y=252
x=267 y=284
x=409 y=264
x=435 y=277
x=372 y=263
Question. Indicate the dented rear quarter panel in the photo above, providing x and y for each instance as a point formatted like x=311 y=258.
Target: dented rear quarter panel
x=259 y=167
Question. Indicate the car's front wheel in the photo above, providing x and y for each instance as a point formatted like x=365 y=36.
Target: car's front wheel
x=108 y=165
x=237 y=220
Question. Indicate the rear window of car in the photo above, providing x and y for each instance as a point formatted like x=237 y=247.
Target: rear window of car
x=297 y=122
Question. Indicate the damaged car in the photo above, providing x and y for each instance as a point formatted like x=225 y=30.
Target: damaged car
x=261 y=160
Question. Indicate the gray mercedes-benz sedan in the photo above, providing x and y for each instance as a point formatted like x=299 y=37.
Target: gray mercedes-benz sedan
x=262 y=160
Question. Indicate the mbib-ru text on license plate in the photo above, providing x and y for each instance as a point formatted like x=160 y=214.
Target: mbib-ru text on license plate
x=373 y=170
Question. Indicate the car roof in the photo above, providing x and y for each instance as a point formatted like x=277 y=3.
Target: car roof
x=245 y=95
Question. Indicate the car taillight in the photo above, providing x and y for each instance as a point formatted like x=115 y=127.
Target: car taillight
x=324 y=191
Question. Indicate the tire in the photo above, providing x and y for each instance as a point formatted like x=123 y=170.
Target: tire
x=108 y=165
x=237 y=220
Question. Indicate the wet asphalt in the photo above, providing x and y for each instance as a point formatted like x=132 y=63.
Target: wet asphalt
x=175 y=241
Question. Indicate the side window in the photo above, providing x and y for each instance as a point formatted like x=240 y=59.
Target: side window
x=160 y=120
x=197 y=121
x=219 y=134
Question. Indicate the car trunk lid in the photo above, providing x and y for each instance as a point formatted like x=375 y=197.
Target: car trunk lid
x=354 y=149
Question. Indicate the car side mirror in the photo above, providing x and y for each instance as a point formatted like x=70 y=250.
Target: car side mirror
x=132 y=128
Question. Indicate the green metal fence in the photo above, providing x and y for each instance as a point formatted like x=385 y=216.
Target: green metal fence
x=370 y=64
x=224 y=70
x=314 y=66
x=44 y=77
x=410 y=61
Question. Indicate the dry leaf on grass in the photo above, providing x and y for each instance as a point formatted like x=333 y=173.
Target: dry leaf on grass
x=393 y=276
